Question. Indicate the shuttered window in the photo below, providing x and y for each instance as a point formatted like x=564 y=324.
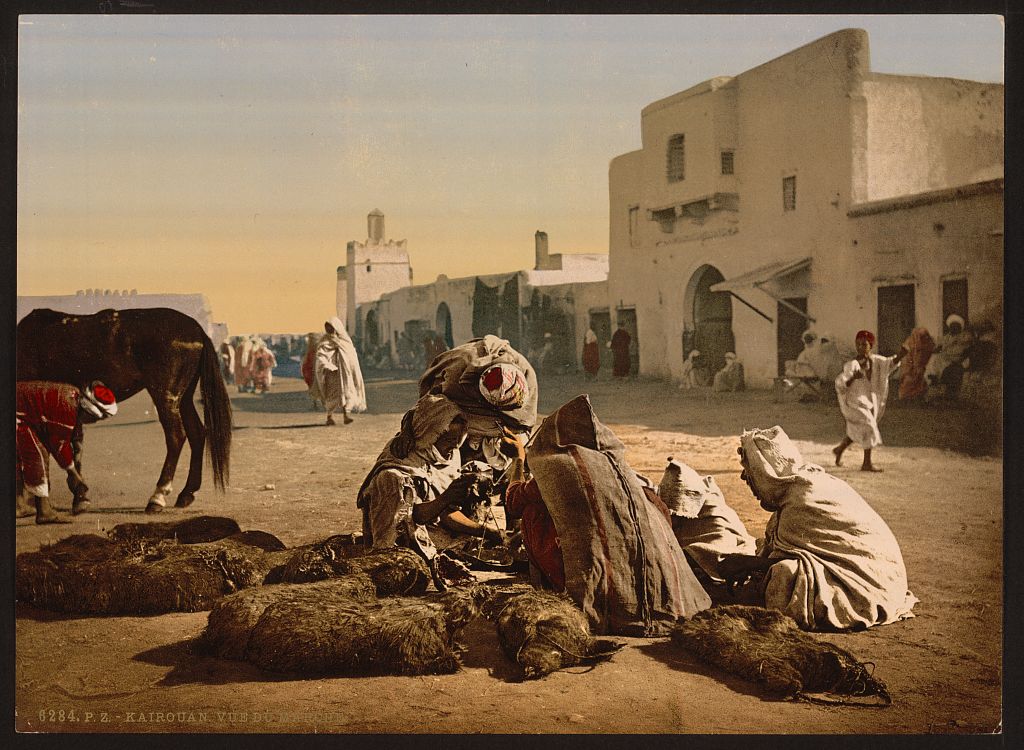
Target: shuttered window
x=728 y=166
x=676 y=161
x=789 y=193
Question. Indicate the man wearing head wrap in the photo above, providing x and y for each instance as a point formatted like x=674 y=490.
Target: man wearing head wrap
x=919 y=346
x=226 y=353
x=948 y=361
x=691 y=377
x=730 y=377
x=621 y=361
x=829 y=560
x=49 y=417
x=596 y=529
x=338 y=381
x=706 y=528
x=417 y=479
x=263 y=364
x=591 y=354
x=862 y=389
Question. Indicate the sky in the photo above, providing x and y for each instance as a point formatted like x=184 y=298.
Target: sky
x=236 y=156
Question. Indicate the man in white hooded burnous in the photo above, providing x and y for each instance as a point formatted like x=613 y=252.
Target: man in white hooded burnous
x=338 y=381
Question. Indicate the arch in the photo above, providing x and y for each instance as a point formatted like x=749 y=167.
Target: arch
x=707 y=319
x=443 y=324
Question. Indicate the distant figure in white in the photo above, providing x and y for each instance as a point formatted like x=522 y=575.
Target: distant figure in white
x=338 y=381
x=730 y=377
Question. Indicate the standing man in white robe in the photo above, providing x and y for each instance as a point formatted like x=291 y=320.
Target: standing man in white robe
x=338 y=381
x=862 y=388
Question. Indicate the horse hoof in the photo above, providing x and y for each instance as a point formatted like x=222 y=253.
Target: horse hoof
x=154 y=508
x=184 y=500
x=80 y=506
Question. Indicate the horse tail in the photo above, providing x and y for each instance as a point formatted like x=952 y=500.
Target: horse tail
x=216 y=413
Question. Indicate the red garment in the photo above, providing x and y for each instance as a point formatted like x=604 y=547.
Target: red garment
x=523 y=500
x=591 y=358
x=46 y=417
x=919 y=346
x=263 y=364
x=620 y=353
x=308 y=365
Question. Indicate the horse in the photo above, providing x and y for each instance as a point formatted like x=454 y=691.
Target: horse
x=163 y=351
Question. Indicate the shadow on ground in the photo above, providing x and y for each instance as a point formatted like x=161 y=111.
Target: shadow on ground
x=975 y=429
x=658 y=405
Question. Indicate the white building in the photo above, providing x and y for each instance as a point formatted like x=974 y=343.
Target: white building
x=806 y=192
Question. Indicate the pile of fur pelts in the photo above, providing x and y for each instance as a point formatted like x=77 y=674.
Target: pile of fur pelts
x=349 y=624
x=187 y=566
x=766 y=646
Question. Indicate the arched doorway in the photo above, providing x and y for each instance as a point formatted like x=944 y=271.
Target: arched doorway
x=372 y=330
x=707 y=326
x=443 y=324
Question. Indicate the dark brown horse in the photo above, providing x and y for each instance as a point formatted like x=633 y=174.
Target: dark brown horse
x=162 y=350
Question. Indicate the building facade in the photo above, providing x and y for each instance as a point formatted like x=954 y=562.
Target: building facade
x=808 y=192
x=539 y=310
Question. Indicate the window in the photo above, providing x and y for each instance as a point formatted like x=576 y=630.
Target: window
x=789 y=193
x=634 y=225
x=666 y=219
x=675 y=163
x=954 y=299
x=728 y=162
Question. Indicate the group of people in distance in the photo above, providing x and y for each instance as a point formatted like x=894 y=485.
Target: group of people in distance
x=249 y=364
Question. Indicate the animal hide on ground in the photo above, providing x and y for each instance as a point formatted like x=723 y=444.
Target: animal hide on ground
x=144 y=571
x=188 y=531
x=767 y=646
x=91 y=574
x=334 y=631
x=232 y=618
x=545 y=632
x=394 y=571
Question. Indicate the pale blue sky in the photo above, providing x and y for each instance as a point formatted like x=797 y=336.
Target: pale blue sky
x=228 y=153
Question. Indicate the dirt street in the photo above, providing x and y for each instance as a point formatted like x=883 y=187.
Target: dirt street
x=297 y=479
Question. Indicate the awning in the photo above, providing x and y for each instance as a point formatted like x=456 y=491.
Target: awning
x=762 y=275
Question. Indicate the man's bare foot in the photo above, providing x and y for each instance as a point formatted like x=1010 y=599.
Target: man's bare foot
x=52 y=518
x=838 y=450
x=869 y=467
x=348 y=419
x=330 y=419
x=80 y=506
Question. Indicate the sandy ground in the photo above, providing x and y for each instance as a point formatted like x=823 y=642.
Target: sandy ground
x=139 y=674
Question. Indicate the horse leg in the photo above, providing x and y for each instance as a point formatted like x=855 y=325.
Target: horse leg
x=25 y=505
x=196 y=433
x=76 y=484
x=167 y=408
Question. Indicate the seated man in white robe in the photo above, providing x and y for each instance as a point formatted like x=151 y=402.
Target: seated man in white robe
x=706 y=528
x=829 y=560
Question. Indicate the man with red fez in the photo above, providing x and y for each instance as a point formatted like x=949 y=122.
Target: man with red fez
x=49 y=418
x=862 y=388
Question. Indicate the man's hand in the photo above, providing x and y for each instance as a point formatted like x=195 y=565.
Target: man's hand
x=737 y=568
x=511 y=444
x=455 y=493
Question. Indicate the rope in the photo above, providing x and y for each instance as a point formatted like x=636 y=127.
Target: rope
x=884 y=695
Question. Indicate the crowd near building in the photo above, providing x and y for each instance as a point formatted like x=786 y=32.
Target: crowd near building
x=808 y=192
